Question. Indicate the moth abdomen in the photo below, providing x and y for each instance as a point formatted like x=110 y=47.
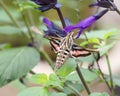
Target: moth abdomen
x=61 y=58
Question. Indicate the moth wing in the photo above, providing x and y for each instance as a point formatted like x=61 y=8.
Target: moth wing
x=78 y=51
x=55 y=46
x=55 y=42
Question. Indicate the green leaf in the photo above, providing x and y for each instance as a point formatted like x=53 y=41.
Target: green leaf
x=106 y=48
x=54 y=81
x=58 y=94
x=116 y=80
x=95 y=34
x=34 y=91
x=67 y=68
x=72 y=85
x=16 y=62
x=100 y=34
x=18 y=85
x=10 y=30
x=109 y=35
x=88 y=59
x=99 y=94
x=39 y=78
x=5 y=19
x=88 y=76
x=5 y=46
x=90 y=41
x=27 y=5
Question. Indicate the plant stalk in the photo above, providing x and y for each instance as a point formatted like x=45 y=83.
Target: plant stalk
x=110 y=73
x=82 y=79
x=61 y=17
x=28 y=28
x=102 y=75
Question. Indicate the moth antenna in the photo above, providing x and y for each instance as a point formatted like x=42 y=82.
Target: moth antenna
x=36 y=30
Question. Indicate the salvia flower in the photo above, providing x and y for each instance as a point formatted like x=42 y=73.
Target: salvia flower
x=53 y=30
x=106 y=4
x=82 y=25
x=47 y=4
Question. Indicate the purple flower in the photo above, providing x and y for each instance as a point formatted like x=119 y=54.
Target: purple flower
x=47 y=4
x=106 y=4
x=82 y=25
x=53 y=30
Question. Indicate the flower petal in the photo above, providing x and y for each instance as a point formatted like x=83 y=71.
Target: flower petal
x=53 y=30
x=47 y=22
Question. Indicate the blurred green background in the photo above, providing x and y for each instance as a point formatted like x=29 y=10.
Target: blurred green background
x=18 y=16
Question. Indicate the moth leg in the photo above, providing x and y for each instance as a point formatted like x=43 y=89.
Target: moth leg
x=90 y=67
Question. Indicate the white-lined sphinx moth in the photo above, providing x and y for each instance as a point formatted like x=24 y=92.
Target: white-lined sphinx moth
x=65 y=47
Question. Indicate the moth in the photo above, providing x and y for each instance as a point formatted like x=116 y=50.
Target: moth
x=65 y=47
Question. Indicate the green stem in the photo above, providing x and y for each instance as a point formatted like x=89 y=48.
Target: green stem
x=82 y=79
x=28 y=28
x=102 y=74
x=61 y=17
x=30 y=16
x=110 y=73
